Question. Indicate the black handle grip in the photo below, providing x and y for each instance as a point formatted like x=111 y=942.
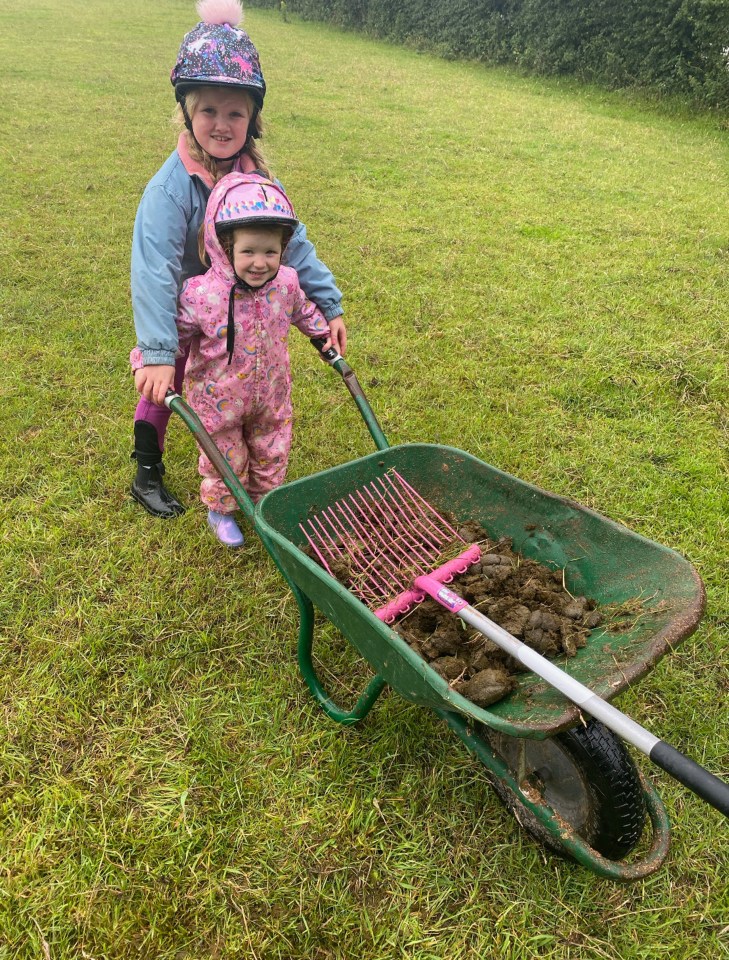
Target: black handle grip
x=692 y=775
x=329 y=355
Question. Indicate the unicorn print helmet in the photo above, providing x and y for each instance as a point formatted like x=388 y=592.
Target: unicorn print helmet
x=252 y=200
x=218 y=53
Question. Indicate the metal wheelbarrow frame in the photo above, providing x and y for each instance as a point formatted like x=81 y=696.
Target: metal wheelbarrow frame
x=600 y=558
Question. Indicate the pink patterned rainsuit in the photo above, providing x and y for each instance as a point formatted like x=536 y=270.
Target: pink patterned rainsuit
x=245 y=405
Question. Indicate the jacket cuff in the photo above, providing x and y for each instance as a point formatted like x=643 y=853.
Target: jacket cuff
x=333 y=311
x=155 y=358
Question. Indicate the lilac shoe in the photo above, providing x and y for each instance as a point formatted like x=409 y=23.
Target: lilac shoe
x=225 y=529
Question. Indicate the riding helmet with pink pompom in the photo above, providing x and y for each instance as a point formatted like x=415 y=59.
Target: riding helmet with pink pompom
x=218 y=53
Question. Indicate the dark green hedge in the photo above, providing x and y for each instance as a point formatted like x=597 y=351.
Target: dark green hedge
x=674 y=46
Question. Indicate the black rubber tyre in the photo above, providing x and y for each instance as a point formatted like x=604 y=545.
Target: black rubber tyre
x=587 y=776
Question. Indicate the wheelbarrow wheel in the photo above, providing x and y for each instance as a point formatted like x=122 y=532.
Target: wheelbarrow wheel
x=587 y=776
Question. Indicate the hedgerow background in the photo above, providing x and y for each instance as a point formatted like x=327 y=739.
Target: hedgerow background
x=679 y=47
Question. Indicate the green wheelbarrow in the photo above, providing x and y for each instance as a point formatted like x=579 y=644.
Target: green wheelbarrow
x=569 y=781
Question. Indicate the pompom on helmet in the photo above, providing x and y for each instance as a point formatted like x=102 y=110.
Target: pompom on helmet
x=218 y=53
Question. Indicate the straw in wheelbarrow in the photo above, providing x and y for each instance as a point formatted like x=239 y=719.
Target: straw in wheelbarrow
x=392 y=549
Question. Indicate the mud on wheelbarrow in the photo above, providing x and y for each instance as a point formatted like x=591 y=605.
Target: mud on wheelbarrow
x=571 y=784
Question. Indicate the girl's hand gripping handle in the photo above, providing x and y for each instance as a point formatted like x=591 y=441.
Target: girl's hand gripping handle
x=331 y=354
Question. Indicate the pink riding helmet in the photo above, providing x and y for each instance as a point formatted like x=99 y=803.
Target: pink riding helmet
x=218 y=53
x=248 y=200
x=242 y=200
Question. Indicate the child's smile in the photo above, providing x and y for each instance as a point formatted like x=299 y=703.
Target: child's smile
x=257 y=254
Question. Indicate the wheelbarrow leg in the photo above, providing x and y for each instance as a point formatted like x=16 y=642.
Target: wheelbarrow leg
x=306 y=666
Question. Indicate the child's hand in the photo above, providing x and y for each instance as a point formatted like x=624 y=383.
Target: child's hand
x=154 y=382
x=338 y=335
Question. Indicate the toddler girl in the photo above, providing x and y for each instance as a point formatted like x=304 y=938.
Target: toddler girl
x=236 y=318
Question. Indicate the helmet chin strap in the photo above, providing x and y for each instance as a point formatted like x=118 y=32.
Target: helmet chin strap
x=238 y=284
x=188 y=124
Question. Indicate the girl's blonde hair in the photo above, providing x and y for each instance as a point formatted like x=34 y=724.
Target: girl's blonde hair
x=192 y=100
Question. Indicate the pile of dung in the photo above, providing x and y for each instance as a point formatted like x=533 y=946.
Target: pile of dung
x=527 y=599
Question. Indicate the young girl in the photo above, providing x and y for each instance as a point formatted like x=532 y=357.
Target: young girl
x=220 y=90
x=237 y=317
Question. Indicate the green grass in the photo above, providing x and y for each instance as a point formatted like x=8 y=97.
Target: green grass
x=534 y=273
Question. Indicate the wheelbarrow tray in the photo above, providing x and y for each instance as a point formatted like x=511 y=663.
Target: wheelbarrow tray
x=601 y=559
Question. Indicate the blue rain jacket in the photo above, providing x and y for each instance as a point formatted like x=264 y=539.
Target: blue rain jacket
x=165 y=254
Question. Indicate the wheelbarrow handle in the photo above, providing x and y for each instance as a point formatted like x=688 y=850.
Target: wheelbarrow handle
x=174 y=402
x=331 y=355
x=336 y=360
x=704 y=784
x=692 y=775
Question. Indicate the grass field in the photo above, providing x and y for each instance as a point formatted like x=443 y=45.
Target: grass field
x=533 y=272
